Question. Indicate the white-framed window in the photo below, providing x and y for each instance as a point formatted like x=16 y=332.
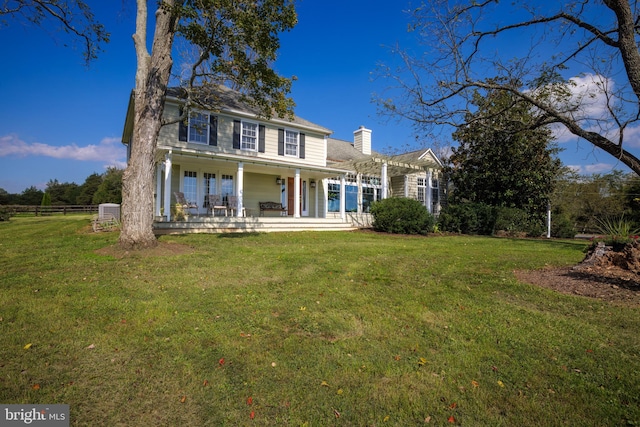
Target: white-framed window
x=209 y=186
x=422 y=190
x=190 y=186
x=291 y=143
x=249 y=136
x=198 y=130
x=435 y=191
x=226 y=186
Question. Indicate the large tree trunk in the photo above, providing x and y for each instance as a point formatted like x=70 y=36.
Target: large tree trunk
x=152 y=78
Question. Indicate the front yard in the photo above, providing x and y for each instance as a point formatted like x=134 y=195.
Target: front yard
x=307 y=328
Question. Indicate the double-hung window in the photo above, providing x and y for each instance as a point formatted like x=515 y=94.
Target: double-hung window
x=291 y=139
x=249 y=137
x=422 y=190
x=198 y=128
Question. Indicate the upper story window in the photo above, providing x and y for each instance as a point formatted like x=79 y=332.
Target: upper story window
x=291 y=143
x=249 y=140
x=198 y=128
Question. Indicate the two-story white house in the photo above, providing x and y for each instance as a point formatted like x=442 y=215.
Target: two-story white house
x=246 y=160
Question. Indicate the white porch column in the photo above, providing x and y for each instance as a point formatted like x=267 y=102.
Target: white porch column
x=167 y=186
x=159 y=178
x=406 y=186
x=240 y=190
x=343 y=198
x=296 y=195
x=359 y=184
x=428 y=196
x=315 y=195
x=385 y=185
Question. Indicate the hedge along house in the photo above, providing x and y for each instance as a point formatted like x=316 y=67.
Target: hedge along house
x=247 y=160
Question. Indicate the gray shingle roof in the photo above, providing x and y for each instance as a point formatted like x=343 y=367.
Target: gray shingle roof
x=221 y=98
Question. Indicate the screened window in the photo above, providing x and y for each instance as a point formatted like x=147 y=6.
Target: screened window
x=291 y=139
x=198 y=128
x=249 y=140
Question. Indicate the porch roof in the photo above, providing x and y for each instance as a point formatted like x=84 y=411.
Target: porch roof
x=317 y=171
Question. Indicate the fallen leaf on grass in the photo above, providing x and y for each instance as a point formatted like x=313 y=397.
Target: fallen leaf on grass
x=36 y=386
x=451 y=419
x=324 y=384
x=422 y=361
x=90 y=347
x=500 y=383
x=221 y=361
x=252 y=415
x=183 y=399
x=205 y=383
x=336 y=413
x=427 y=420
x=454 y=405
x=28 y=346
x=249 y=400
x=475 y=383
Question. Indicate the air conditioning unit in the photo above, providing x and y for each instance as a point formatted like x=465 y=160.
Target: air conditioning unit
x=109 y=210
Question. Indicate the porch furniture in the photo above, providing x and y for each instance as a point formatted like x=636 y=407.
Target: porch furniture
x=232 y=206
x=272 y=206
x=215 y=204
x=184 y=203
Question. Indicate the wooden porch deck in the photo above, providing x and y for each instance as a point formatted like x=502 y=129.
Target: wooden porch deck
x=208 y=224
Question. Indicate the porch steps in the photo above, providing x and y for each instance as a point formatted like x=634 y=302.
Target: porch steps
x=196 y=224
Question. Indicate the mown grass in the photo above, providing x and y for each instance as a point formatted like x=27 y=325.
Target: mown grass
x=308 y=329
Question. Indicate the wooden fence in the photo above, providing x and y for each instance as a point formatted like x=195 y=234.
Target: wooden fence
x=49 y=210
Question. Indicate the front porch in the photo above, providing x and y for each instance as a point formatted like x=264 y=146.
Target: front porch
x=253 y=224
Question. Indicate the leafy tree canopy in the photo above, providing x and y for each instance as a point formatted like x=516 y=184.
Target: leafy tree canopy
x=501 y=159
x=578 y=61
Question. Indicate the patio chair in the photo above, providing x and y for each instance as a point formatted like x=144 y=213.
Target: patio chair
x=215 y=204
x=184 y=203
x=232 y=203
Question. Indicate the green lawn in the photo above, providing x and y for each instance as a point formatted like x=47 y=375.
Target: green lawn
x=308 y=329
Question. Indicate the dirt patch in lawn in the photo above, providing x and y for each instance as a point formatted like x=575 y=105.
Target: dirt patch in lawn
x=609 y=275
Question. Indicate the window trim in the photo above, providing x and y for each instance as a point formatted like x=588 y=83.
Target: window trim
x=207 y=126
x=256 y=137
x=297 y=144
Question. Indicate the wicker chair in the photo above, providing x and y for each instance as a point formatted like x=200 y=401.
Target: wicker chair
x=215 y=204
x=184 y=203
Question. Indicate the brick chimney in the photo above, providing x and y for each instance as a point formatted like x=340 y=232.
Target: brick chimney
x=362 y=140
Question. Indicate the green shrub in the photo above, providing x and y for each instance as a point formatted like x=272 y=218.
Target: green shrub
x=562 y=226
x=4 y=213
x=402 y=216
x=517 y=222
x=467 y=218
x=617 y=231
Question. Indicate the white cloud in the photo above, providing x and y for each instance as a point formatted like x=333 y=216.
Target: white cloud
x=109 y=151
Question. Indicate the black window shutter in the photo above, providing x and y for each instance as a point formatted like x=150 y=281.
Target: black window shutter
x=236 y=134
x=213 y=130
x=302 y=143
x=261 y=133
x=182 y=129
x=280 y=142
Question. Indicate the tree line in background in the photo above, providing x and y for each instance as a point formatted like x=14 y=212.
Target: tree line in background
x=96 y=189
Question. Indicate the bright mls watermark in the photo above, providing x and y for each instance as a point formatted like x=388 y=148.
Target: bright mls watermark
x=35 y=415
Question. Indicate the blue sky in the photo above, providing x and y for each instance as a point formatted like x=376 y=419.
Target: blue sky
x=61 y=120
